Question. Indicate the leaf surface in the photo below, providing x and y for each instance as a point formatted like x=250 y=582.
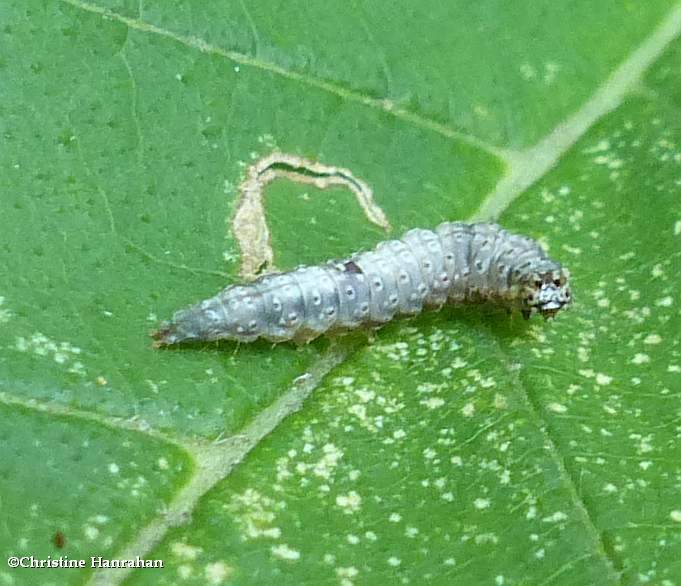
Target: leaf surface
x=459 y=447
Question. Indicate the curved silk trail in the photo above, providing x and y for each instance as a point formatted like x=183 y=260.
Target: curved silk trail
x=249 y=224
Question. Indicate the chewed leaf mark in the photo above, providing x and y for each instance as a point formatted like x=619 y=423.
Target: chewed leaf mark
x=249 y=224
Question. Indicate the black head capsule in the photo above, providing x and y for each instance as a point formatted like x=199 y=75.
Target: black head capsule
x=546 y=290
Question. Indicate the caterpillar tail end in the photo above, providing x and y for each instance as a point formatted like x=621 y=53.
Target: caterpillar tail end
x=166 y=335
x=186 y=325
x=196 y=323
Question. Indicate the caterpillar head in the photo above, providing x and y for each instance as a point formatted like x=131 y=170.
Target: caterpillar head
x=546 y=290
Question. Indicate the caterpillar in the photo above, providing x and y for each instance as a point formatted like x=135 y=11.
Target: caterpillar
x=456 y=263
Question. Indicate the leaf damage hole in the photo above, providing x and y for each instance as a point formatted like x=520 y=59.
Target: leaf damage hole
x=249 y=224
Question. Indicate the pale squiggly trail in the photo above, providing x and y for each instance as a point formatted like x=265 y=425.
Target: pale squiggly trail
x=249 y=224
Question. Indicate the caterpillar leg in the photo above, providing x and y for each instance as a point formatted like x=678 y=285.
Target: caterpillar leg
x=372 y=335
x=304 y=337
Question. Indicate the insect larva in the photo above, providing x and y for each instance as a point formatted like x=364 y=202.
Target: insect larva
x=59 y=539
x=456 y=263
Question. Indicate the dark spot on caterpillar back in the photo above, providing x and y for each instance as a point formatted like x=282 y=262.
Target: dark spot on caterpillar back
x=351 y=267
x=456 y=263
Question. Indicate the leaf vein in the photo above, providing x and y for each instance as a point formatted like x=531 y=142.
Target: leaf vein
x=342 y=92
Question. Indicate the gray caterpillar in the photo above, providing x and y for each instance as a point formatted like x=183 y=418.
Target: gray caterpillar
x=456 y=263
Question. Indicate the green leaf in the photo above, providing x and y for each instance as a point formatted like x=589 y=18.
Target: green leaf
x=460 y=447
